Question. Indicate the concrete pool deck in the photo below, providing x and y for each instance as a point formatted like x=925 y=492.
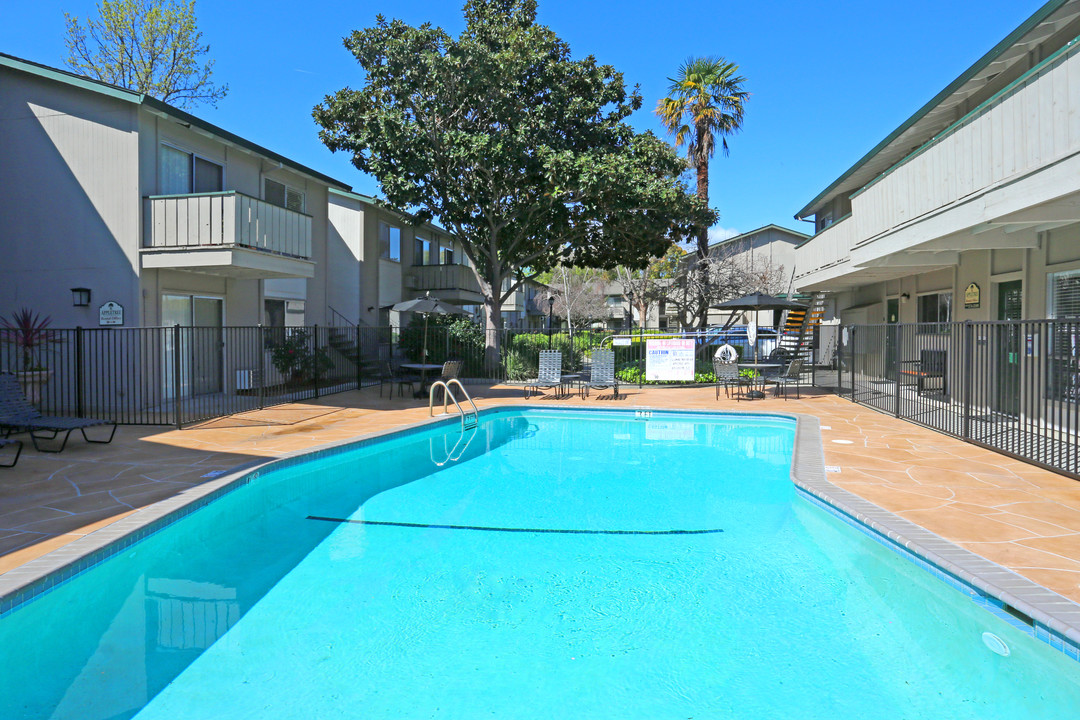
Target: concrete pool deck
x=1017 y=515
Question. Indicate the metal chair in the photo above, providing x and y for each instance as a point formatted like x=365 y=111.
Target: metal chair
x=549 y=374
x=790 y=376
x=601 y=375
x=727 y=376
x=18 y=451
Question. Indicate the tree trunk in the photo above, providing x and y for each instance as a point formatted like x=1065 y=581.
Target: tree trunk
x=493 y=335
x=702 y=236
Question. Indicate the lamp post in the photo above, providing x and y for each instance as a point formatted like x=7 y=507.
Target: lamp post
x=630 y=311
x=551 y=311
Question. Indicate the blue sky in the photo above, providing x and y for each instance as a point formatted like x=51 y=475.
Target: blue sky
x=828 y=80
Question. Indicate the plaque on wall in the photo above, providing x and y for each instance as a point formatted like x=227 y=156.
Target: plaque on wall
x=111 y=313
x=972 y=296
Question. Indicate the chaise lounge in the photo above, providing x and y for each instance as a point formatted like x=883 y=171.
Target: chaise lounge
x=17 y=414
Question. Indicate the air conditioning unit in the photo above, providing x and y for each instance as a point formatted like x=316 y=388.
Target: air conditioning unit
x=247 y=379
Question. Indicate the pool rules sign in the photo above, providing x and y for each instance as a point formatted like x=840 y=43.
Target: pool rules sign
x=670 y=360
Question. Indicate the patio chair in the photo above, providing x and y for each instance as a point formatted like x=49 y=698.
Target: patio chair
x=549 y=374
x=602 y=374
x=727 y=377
x=18 y=451
x=451 y=369
x=17 y=414
x=790 y=376
x=396 y=375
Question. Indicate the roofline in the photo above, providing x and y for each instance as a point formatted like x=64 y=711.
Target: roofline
x=376 y=203
x=1041 y=14
x=770 y=226
x=141 y=99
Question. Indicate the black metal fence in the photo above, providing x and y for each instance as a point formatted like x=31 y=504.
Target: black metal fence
x=1010 y=386
x=181 y=375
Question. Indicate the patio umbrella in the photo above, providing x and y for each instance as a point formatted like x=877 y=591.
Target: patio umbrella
x=428 y=306
x=755 y=302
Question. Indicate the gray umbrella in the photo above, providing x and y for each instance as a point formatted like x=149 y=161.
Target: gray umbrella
x=757 y=301
x=428 y=306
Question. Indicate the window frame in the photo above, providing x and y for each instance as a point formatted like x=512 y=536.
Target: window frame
x=288 y=188
x=937 y=326
x=191 y=157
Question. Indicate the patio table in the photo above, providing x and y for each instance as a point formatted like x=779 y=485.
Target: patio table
x=760 y=367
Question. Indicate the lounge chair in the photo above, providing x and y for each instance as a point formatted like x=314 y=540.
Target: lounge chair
x=790 y=376
x=16 y=413
x=549 y=374
x=18 y=451
x=602 y=374
x=727 y=377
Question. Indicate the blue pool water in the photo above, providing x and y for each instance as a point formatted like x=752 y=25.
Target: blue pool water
x=566 y=564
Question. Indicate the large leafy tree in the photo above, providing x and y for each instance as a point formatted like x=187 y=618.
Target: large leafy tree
x=519 y=150
x=150 y=46
x=706 y=101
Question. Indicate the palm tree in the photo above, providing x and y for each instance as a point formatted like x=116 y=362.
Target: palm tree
x=706 y=100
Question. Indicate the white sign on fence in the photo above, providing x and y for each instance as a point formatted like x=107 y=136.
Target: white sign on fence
x=111 y=313
x=620 y=342
x=669 y=359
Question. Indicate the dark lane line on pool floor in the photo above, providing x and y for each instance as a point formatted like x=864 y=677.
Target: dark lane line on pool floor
x=482 y=528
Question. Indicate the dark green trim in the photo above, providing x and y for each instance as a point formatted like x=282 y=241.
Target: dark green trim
x=763 y=228
x=947 y=132
x=103 y=88
x=1041 y=14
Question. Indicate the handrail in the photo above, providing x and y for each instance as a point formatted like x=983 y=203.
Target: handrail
x=448 y=395
x=453 y=455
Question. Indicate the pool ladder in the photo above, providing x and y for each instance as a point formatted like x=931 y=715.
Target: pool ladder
x=468 y=419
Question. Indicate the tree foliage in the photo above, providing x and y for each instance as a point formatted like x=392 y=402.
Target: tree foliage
x=706 y=99
x=149 y=46
x=519 y=150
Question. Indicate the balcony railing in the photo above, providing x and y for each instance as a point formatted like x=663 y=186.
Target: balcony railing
x=226 y=219
x=828 y=248
x=444 y=277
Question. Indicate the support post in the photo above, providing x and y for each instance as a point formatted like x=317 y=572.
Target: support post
x=79 y=409
x=176 y=375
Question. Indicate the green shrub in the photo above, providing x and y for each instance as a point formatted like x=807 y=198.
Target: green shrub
x=295 y=358
x=449 y=337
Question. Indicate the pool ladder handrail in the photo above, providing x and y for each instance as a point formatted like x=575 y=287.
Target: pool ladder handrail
x=448 y=395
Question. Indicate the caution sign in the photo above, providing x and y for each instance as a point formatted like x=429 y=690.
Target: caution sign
x=670 y=360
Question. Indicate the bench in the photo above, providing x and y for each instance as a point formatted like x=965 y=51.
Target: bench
x=929 y=367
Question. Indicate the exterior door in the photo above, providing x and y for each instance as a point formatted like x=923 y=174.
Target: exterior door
x=1007 y=393
x=200 y=339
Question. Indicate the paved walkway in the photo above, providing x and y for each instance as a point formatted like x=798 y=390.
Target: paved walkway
x=1014 y=514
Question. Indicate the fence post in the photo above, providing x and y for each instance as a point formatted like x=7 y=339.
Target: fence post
x=968 y=350
x=79 y=410
x=898 y=337
x=358 y=356
x=260 y=354
x=176 y=375
x=315 y=354
x=851 y=364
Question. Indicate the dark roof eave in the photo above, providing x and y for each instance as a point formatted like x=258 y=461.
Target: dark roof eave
x=1041 y=14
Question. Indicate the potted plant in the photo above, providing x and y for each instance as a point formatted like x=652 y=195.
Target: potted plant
x=29 y=333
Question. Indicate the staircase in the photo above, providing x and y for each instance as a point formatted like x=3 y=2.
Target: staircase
x=798 y=328
x=357 y=343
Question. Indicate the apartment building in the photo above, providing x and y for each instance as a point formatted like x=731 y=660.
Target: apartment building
x=970 y=210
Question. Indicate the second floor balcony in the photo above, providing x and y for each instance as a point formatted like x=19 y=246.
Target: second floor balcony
x=453 y=283
x=226 y=233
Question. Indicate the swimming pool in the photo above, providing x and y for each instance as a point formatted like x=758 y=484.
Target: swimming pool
x=581 y=564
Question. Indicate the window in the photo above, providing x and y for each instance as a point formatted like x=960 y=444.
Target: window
x=389 y=242
x=1063 y=295
x=282 y=195
x=422 y=252
x=183 y=172
x=935 y=308
x=1063 y=303
x=446 y=256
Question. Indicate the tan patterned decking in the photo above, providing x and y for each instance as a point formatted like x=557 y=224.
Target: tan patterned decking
x=1020 y=516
